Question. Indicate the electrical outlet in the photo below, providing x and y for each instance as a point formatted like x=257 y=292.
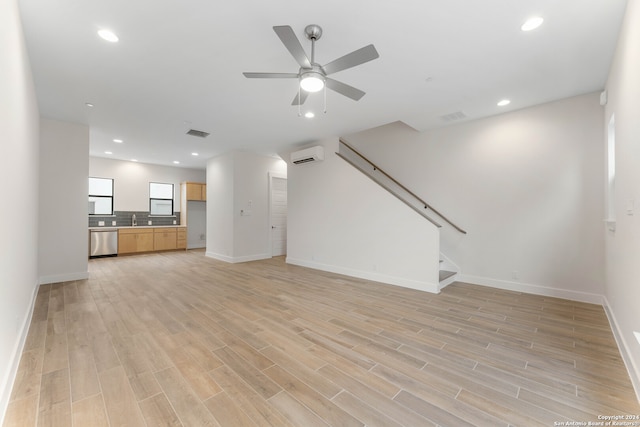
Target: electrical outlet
x=515 y=275
x=174 y=222
x=113 y=223
x=100 y=223
x=150 y=223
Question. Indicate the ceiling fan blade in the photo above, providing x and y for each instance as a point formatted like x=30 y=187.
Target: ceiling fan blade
x=271 y=75
x=302 y=97
x=291 y=42
x=357 y=57
x=345 y=89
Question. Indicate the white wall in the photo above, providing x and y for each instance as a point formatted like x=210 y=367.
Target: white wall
x=19 y=133
x=341 y=221
x=623 y=245
x=251 y=195
x=64 y=168
x=526 y=185
x=239 y=181
x=220 y=182
x=131 y=181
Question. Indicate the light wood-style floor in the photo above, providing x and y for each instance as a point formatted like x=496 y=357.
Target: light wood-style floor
x=179 y=339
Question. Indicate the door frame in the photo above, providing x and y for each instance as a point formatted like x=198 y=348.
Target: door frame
x=272 y=175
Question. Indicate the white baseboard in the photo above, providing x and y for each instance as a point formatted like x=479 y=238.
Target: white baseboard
x=632 y=368
x=533 y=289
x=367 y=275
x=235 y=260
x=16 y=354
x=69 y=277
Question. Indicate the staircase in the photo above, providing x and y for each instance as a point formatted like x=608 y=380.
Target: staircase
x=447 y=273
x=448 y=269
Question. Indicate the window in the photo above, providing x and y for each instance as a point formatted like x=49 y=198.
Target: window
x=160 y=199
x=100 y=196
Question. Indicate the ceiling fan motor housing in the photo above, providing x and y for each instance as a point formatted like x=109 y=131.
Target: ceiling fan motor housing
x=313 y=32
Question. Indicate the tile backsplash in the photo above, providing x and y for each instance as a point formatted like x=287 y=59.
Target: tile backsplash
x=123 y=219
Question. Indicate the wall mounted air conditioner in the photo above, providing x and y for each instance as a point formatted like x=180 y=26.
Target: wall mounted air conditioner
x=308 y=155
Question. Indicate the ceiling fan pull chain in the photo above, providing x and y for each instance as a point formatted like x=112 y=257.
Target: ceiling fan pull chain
x=299 y=100
x=325 y=99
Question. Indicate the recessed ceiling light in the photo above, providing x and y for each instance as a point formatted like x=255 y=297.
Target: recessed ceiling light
x=88 y=104
x=309 y=115
x=195 y=154
x=118 y=141
x=504 y=102
x=108 y=35
x=176 y=162
x=134 y=160
x=108 y=152
x=532 y=23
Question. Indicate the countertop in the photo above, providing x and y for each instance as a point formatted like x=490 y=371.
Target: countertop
x=116 y=227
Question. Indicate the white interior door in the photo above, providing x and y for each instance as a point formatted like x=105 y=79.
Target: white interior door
x=278 y=216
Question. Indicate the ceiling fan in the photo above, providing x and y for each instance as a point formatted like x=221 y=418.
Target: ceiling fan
x=313 y=76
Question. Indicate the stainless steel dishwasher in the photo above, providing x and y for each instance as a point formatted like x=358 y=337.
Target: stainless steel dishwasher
x=103 y=242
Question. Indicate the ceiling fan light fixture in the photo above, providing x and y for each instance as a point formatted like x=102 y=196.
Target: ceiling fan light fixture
x=532 y=23
x=108 y=35
x=312 y=81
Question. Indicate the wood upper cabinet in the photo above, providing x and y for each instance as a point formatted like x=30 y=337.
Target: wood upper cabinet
x=196 y=191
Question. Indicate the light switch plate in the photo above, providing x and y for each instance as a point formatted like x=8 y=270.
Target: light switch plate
x=100 y=223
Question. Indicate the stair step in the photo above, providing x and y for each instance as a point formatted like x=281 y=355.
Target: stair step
x=444 y=274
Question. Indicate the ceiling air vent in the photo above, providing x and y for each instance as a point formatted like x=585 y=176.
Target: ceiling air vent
x=198 y=133
x=452 y=117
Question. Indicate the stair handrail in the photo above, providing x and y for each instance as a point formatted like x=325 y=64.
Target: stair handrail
x=425 y=204
x=415 y=208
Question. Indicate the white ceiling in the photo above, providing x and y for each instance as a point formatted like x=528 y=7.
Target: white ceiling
x=179 y=63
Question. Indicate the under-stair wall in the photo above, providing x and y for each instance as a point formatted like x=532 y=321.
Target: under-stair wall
x=526 y=185
x=341 y=221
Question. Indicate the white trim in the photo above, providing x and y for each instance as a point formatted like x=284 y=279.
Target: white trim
x=533 y=289
x=632 y=368
x=69 y=277
x=235 y=260
x=367 y=275
x=16 y=354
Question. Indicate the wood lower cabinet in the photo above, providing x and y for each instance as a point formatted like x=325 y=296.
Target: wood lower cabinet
x=181 y=238
x=164 y=239
x=135 y=240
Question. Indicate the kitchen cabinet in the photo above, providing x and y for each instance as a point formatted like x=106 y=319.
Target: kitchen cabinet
x=196 y=191
x=132 y=240
x=164 y=238
x=181 y=238
x=149 y=239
